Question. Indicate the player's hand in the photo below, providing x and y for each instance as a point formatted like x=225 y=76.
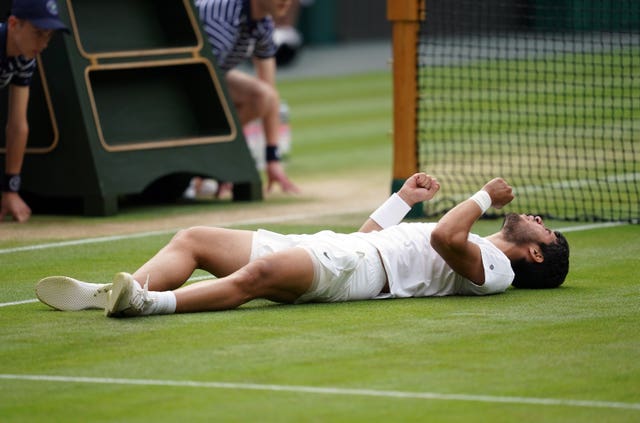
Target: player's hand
x=419 y=187
x=13 y=205
x=500 y=192
x=277 y=175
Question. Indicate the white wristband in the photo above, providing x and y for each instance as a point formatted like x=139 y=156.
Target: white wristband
x=482 y=199
x=391 y=212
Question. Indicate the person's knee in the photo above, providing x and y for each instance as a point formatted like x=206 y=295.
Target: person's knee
x=183 y=235
x=258 y=278
x=189 y=238
x=252 y=97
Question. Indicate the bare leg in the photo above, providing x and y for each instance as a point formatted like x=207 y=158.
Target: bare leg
x=281 y=277
x=216 y=250
x=290 y=18
x=253 y=98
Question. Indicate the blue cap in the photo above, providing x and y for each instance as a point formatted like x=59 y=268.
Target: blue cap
x=41 y=13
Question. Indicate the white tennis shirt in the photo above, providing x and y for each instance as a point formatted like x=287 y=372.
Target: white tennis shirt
x=415 y=269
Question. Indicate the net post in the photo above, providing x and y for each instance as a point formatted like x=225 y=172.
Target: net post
x=405 y=17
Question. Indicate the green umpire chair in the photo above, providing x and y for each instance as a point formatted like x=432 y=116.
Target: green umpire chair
x=131 y=102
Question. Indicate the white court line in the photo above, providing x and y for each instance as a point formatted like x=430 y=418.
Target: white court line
x=275 y=219
x=278 y=219
x=330 y=391
x=310 y=216
x=84 y=241
x=590 y=226
x=33 y=300
x=144 y=234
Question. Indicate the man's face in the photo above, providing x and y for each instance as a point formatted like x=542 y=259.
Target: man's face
x=522 y=229
x=29 y=39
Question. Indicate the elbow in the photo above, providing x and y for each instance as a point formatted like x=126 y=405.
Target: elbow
x=444 y=240
x=440 y=240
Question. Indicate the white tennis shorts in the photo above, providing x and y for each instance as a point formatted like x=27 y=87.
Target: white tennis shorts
x=345 y=267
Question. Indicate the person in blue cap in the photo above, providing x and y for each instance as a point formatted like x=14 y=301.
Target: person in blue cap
x=25 y=34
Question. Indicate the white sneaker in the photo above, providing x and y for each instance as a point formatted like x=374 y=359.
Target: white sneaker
x=68 y=294
x=127 y=298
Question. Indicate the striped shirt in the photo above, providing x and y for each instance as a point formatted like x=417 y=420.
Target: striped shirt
x=14 y=70
x=233 y=35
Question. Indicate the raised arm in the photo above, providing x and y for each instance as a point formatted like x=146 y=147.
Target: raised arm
x=419 y=187
x=450 y=237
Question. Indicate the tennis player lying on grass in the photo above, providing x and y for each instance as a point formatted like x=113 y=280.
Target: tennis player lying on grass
x=385 y=259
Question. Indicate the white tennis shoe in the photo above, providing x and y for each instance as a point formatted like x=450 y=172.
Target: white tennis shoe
x=68 y=294
x=127 y=298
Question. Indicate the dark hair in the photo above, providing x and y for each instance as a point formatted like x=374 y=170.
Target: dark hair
x=548 y=274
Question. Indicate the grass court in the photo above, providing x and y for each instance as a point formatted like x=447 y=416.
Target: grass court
x=563 y=355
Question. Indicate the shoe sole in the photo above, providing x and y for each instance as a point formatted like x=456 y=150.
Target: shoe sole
x=117 y=300
x=67 y=294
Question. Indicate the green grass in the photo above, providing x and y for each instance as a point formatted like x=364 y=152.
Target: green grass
x=337 y=122
x=579 y=342
x=576 y=343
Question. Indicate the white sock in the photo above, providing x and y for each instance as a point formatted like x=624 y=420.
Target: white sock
x=163 y=302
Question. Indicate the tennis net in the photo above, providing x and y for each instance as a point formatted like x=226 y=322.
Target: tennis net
x=543 y=93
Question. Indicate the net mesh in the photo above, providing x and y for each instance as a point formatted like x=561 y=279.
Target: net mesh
x=545 y=93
